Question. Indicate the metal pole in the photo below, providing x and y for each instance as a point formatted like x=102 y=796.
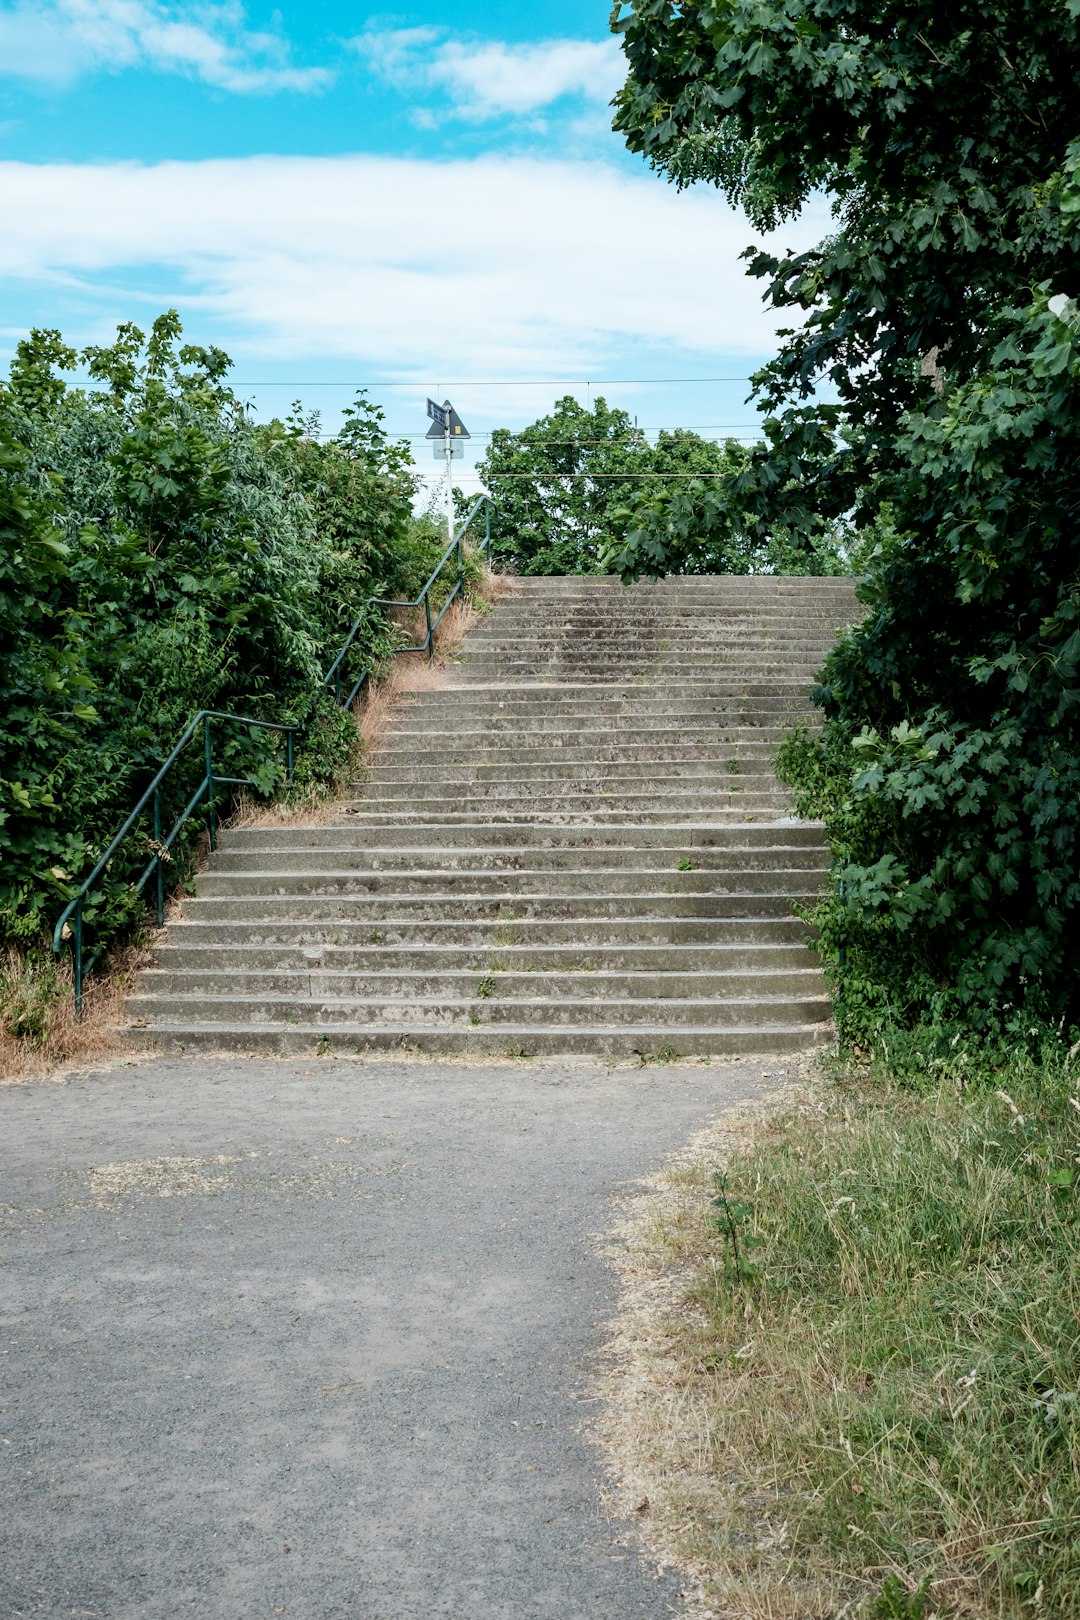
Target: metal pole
x=487 y=532
x=209 y=783
x=430 y=632
x=77 y=958
x=157 y=852
x=290 y=758
x=448 y=452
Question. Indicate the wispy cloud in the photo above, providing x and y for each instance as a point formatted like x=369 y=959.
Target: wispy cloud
x=56 y=42
x=501 y=266
x=485 y=79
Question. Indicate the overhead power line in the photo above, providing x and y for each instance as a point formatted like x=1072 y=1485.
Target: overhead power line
x=505 y=382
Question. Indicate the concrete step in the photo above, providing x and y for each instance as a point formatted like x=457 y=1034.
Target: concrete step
x=681 y=838
x=518 y=961
x=308 y=898
x=448 y=887
x=610 y=776
x=648 y=1043
x=707 y=865
x=463 y=987
x=214 y=923
x=422 y=1012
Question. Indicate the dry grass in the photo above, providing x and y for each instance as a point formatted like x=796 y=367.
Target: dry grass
x=659 y=1424
x=36 y=997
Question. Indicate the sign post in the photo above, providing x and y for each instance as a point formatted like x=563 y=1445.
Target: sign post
x=447 y=425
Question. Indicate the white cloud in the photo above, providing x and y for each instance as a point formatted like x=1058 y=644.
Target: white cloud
x=498 y=266
x=489 y=79
x=57 y=41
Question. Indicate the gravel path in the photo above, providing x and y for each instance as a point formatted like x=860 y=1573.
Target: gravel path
x=313 y=1338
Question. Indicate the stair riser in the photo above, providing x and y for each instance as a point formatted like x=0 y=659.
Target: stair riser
x=494 y=937
x=486 y=988
x=677 y=750
x=604 y=776
x=666 y=1016
x=450 y=888
x=516 y=961
x=323 y=906
x=680 y=839
x=613 y=1044
x=516 y=865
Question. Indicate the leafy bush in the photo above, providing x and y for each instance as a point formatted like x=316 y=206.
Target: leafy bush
x=161 y=553
x=948 y=773
x=924 y=400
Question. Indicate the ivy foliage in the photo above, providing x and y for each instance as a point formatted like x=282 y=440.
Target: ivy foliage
x=160 y=553
x=925 y=400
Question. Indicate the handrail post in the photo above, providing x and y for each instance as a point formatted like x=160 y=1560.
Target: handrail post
x=76 y=957
x=208 y=754
x=290 y=759
x=430 y=632
x=487 y=532
x=157 y=852
x=460 y=561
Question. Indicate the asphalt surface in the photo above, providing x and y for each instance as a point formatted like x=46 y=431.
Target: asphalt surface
x=314 y=1338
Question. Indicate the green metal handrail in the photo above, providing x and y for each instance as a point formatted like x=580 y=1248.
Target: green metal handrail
x=70 y=923
x=456 y=550
x=65 y=928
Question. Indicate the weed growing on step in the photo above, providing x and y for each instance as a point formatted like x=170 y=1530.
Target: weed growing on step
x=664 y=1054
x=733 y=766
x=685 y=865
x=486 y=987
x=519 y=1052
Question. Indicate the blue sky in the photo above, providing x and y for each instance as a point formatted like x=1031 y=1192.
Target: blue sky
x=341 y=195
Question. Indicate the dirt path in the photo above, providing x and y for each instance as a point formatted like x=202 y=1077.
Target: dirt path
x=313 y=1338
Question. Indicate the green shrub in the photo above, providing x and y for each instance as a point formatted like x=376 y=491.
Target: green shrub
x=160 y=553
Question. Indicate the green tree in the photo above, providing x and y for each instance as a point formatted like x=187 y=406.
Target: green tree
x=934 y=318
x=567 y=486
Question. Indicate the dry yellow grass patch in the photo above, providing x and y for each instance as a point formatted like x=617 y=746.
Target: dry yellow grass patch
x=36 y=997
x=660 y=1426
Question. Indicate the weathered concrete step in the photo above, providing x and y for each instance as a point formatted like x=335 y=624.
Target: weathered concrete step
x=669 y=814
x=676 y=747
x=211 y=922
x=701 y=682
x=424 y=1012
x=463 y=987
x=576 y=805
x=529 y=705
x=679 y=837
x=518 y=864
x=472 y=781
x=587 y=1040
x=327 y=903
x=450 y=887
x=176 y=956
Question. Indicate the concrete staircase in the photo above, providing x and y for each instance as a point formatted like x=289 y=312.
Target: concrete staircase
x=576 y=845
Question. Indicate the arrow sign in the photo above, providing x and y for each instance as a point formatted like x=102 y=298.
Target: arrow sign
x=447 y=413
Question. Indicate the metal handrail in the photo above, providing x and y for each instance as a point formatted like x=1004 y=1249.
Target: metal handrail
x=161 y=846
x=455 y=549
x=66 y=929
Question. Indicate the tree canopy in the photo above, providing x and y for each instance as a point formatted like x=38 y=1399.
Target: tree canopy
x=925 y=399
